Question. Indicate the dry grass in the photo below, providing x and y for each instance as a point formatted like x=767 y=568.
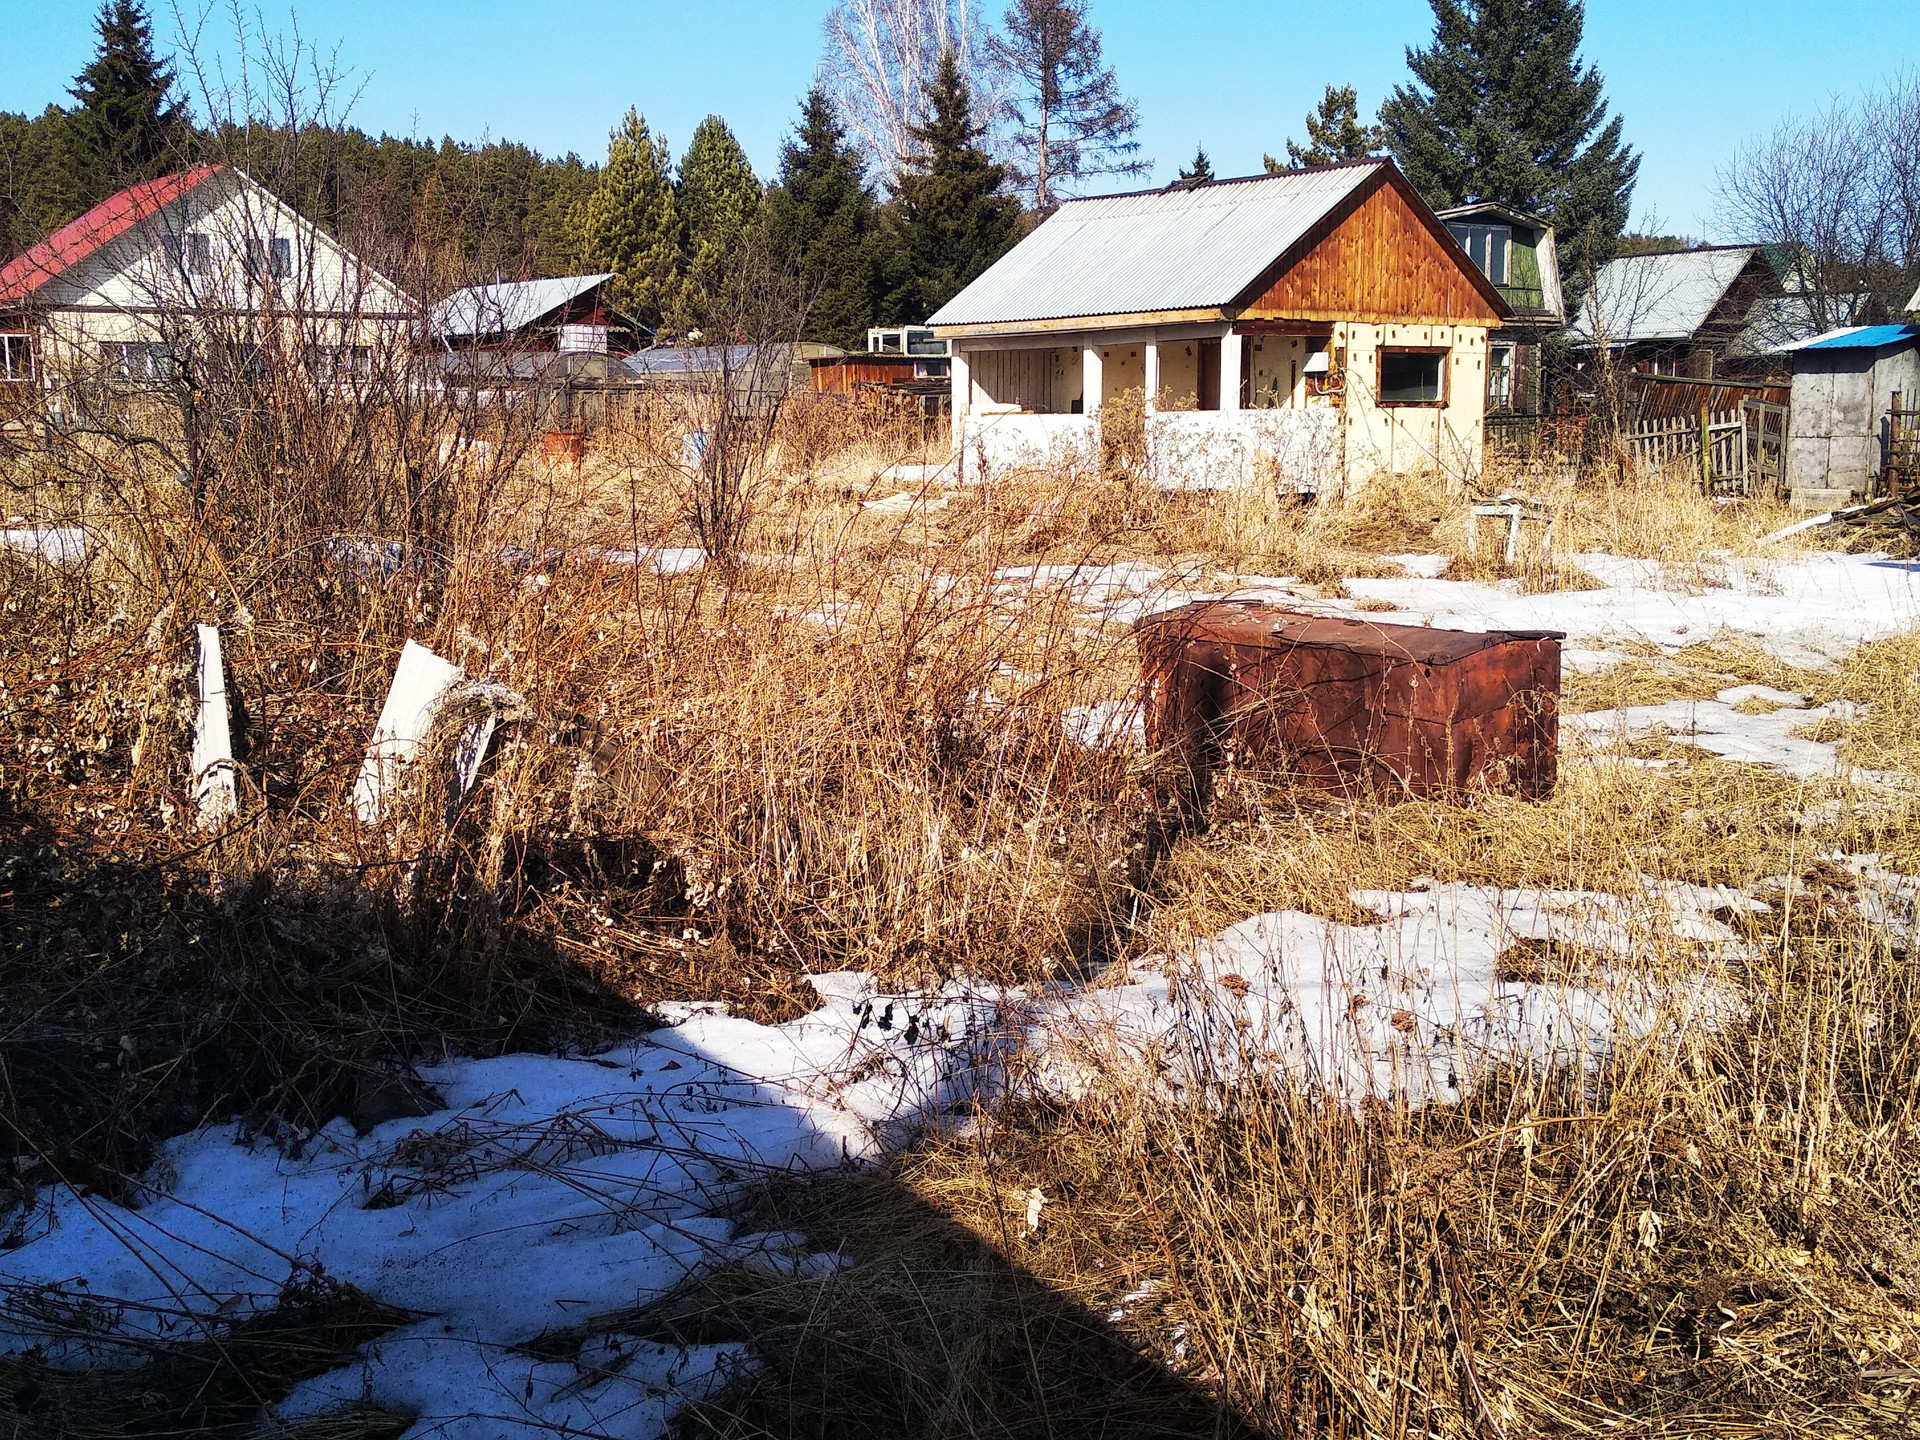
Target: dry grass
x=849 y=751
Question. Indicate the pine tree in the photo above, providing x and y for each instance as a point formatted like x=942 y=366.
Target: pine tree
x=1502 y=110
x=716 y=199
x=1334 y=135
x=822 y=220
x=628 y=225
x=953 y=219
x=1199 y=173
x=1074 y=124
x=127 y=117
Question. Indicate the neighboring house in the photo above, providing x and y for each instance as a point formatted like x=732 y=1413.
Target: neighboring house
x=1681 y=312
x=1516 y=251
x=193 y=270
x=1855 y=394
x=1315 y=326
x=567 y=315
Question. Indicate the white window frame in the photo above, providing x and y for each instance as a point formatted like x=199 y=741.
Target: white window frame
x=16 y=358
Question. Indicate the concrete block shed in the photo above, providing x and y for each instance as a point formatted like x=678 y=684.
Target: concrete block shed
x=1855 y=393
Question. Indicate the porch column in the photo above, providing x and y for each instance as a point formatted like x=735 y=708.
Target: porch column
x=1152 y=354
x=960 y=378
x=1092 y=379
x=1231 y=359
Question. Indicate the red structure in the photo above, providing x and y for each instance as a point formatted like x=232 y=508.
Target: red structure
x=1349 y=705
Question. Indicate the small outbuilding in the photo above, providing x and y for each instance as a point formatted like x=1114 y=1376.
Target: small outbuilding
x=1309 y=328
x=1852 y=425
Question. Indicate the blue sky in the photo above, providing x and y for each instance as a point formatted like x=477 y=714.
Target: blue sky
x=1692 y=77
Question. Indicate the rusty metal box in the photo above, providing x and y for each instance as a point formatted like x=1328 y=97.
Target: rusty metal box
x=1351 y=705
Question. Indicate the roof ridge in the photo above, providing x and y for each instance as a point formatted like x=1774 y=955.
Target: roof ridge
x=1176 y=188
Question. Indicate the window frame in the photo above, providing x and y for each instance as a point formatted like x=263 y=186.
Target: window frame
x=1510 y=354
x=196 y=253
x=1441 y=354
x=271 y=258
x=8 y=348
x=1466 y=233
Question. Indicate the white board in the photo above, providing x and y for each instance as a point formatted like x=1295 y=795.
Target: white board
x=420 y=683
x=215 y=798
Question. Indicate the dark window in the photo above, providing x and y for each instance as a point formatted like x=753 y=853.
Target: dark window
x=196 y=253
x=1489 y=246
x=139 y=360
x=1413 y=377
x=16 y=358
x=271 y=259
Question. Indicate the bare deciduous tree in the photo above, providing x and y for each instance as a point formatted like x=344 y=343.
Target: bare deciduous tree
x=1839 y=193
x=1071 y=121
x=882 y=53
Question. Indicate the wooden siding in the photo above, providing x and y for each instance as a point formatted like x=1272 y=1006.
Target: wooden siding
x=1012 y=377
x=1380 y=263
x=838 y=375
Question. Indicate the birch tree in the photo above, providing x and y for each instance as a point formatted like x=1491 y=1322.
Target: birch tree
x=882 y=54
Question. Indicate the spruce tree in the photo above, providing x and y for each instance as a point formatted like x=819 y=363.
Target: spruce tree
x=1198 y=173
x=716 y=198
x=127 y=118
x=1501 y=109
x=1334 y=134
x=1074 y=124
x=822 y=220
x=952 y=219
x=628 y=225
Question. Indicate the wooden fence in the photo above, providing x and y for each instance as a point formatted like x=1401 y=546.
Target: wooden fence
x=1746 y=449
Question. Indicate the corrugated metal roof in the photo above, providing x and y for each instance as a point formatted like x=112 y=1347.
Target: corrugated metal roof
x=101 y=225
x=1859 y=337
x=507 y=305
x=1658 y=297
x=1161 y=250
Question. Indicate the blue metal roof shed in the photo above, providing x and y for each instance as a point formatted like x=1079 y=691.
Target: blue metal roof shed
x=1848 y=387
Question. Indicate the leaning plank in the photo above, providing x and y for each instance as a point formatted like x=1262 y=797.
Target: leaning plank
x=214 y=796
x=420 y=683
x=425 y=687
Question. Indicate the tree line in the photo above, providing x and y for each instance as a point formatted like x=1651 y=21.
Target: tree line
x=928 y=145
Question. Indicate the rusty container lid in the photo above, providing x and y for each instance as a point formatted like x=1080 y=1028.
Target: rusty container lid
x=1261 y=625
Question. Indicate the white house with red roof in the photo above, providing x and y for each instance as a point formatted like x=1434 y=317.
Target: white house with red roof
x=169 y=270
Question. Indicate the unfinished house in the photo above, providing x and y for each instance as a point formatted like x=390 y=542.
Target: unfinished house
x=1307 y=329
x=1680 y=313
x=1853 y=427
x=1516 y=252
x=196 y=270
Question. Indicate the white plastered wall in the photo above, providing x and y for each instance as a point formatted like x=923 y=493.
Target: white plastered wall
x=1399 y=439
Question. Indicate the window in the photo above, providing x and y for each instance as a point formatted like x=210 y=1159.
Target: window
x=344 y=362
x=196 y=253
x=1489 y=246
x=1413 y=377
x=270 y=259
x=1500 y=377
x=16 y=358
x=138 y=360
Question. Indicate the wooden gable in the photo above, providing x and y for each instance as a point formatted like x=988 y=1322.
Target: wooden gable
x=1379 y=259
